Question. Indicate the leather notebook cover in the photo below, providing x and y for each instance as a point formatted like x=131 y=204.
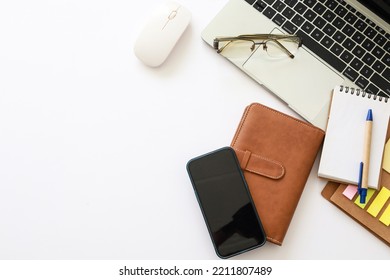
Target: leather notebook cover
x=276 y=152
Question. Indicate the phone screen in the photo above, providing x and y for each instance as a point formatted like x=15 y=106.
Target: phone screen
x=225 y=201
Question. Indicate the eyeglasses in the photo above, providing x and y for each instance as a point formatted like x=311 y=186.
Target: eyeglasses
x=276 y=45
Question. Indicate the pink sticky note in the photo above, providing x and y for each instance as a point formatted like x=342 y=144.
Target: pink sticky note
x=350 y=191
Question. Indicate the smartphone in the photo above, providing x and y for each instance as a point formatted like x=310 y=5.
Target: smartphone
x=226 y=204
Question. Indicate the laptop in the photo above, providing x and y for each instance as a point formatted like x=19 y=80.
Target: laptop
x=344 y=43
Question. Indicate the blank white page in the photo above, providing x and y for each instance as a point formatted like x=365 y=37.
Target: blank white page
x=344 y=139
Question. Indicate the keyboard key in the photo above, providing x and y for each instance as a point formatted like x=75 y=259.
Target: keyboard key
x=300 y=8
x=309 y=3
x=250 y=1
x=291 y=3
x=288 y=13
x=380 y=30
x=370 y=32
x=331 y=4
x=350 y=8
x=386 y=59
x=346 y=56
x=358 y=37
x=366 y=71
x=350 y=18
x=341 y=11
x=338 y=23
x=372 y=89
x=327 y=42
x=319 y=8
x=298 y=20
x=356 y=64
x=309 y=15
x=349 y=44
x=269 y=12
x=329 y=16
x=348 y=30
x=368 y=44
x=387 y=46
x=322 y=52
x=317 y=34
x=308 y=27
x=336 y=49
x=380 y=40
x=351 y=74
x=269 y=2
x=319 y=22
x=289 y=27
x=378 y=66
x=361 y=82
x=368 y=59
x=386 y=74
x=358 y=51
x=260 y=6
x=279 y=19
x=339 y=37
x=279 y=6
x=329 y=29
x=360 y=25
x=378 y=52
x=361 y=16
x=370 y=23
x=381 y=83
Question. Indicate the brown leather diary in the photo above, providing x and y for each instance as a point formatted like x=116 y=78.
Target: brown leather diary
x=276 y=152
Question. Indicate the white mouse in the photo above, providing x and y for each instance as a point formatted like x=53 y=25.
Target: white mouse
x=161 y=32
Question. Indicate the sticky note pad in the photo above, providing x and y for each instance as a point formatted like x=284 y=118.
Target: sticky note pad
x=379 y=201
x=385 y=218
x=370 y=192
x=350 y=191
x=386 y=157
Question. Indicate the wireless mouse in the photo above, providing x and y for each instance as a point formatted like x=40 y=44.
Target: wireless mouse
x=161 y=33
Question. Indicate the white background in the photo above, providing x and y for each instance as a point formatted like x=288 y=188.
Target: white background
x=94 y=144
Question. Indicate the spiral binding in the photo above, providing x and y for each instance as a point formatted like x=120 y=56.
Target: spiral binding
x=363 y=93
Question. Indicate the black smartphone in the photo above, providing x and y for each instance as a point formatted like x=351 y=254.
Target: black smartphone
x=225 y=201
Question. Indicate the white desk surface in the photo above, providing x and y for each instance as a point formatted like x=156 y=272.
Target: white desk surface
x=94 y=144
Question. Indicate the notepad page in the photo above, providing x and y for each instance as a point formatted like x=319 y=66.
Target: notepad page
x=344 y=139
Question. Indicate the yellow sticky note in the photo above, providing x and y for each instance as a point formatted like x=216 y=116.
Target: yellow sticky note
x=378 y=202
x=385 y=218
x=386 y=157
x=370 y=192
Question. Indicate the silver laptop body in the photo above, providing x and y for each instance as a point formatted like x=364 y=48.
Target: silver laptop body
x=305 y=83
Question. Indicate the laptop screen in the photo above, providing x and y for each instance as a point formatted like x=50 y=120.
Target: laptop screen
x=380 y=7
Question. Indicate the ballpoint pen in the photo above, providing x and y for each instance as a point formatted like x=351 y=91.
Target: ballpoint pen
x=366 y=156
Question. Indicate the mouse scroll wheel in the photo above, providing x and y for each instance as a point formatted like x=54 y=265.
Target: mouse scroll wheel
x=172 y=15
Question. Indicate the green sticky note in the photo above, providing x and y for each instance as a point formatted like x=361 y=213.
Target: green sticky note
x=370 y=192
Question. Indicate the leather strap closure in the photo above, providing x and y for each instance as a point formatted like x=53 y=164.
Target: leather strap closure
x=260 y=165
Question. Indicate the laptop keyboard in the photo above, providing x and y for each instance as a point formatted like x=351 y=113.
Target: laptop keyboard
x=340 y=35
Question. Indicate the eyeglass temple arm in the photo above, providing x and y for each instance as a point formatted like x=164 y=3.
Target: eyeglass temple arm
x=284 y=48
x=224 y=39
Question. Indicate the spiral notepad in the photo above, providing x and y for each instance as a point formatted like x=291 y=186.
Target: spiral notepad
x=343 y=145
